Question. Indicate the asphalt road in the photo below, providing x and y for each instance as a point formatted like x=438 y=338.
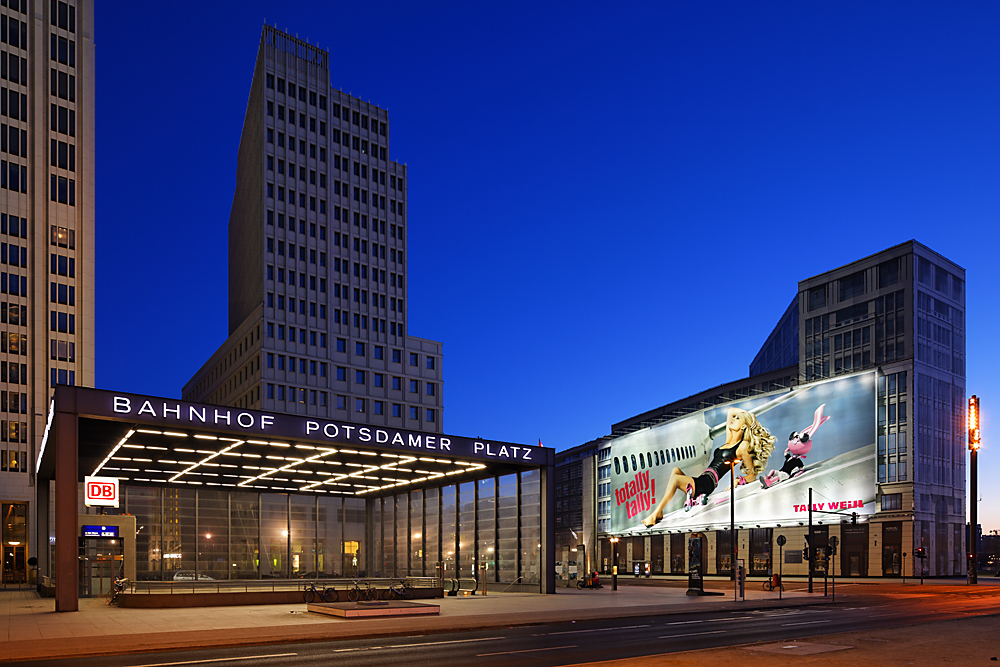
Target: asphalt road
x=570 y=643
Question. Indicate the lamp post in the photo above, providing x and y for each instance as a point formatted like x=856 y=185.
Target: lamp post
x=732 y=525
x=974 y=442
x=614 y=564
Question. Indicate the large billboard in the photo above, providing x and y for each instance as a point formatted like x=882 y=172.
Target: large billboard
x=821 y=436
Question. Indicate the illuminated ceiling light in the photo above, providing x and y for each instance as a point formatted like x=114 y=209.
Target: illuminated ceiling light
x=121 y=442
x=205 y=437
x=149 y=432
x=279 y=444
x=256 y=442
x=211 y=456
x=176 y=435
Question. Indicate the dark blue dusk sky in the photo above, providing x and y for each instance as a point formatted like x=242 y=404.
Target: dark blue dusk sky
x=610 y=205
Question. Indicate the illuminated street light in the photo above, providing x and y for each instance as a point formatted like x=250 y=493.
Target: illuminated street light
x=614 y=564
x=975 y=440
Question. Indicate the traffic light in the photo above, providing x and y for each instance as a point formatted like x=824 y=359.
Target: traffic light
x=805 y=549
x=854 y=518
x=920 y=552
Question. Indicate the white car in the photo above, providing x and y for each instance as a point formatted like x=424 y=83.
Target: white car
x=188 y=575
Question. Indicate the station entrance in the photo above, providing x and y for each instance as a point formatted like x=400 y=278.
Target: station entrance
x=220 y=493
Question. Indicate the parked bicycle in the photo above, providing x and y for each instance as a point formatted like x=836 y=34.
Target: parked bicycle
x=403 y=591
x=120 y=584
x=358 y=593
x=311 y=593
x=769 y=584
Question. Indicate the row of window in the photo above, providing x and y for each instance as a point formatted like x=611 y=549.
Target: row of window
x=62 y=50
x=13 y=68
x=291 y=278
x=13 y=373
x=303 y=251
x=62 y=15
x=62 y=155
x=11 y=283
x=62 y=190
x=62 y=322
x=12 y=225
x=13 y=104
x=13 y=32
x=64 y=294
x=13 y=255
x=291 y=225
x=301 y=201
x=361 y=221
x=13 y=343
x=269 y=81
x=62 y=85
x=62 y=376
x=14 y=401
x=63 y=350
x=305 y=337
x=13 y=176
x=312 y=311
x=13 y=140
x=359 y=119
x=61 y=237
x=61 y=119
x=12 y=460
x=13 y=313
x=62 y=265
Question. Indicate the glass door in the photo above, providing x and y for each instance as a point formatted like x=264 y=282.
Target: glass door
x=13 y=543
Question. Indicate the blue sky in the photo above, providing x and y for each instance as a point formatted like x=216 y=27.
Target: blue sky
x=608 y=211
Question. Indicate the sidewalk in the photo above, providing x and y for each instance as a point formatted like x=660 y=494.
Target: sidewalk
x=30 y=628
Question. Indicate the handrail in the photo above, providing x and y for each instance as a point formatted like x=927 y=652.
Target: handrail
x=511 y=584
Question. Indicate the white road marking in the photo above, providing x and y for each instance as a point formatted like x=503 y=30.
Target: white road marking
x=454 y=641
x=573 y=632
x=788 y=625
x=527 y=650
x=693 y=634
x=199 y=662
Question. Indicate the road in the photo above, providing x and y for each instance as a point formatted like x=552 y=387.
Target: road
x=862 y=608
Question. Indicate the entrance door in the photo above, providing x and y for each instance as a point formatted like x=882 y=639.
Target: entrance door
x=100 y=562
x=892 y=548
x=13 y=564
x=13 y=543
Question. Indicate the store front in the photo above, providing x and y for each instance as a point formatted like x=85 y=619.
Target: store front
x=225 y=493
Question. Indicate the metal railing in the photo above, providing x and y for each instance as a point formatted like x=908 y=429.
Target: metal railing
x=270 y=585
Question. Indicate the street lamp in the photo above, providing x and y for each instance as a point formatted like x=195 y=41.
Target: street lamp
x=614 y=564
x=732 y=524
x=974 y=442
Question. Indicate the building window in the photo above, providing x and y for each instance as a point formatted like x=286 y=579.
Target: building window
x=892 y=501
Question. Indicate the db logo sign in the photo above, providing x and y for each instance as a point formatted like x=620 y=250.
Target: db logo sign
x=101 y=491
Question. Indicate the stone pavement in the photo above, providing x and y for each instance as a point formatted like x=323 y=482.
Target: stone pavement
x=30 y=628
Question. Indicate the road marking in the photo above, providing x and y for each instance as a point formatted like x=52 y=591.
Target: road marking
x=573 y=632
x=788 y=625
x=693 y=634
x=686 y=622
x=527 y=650
x=198 y=662
x=454 y=641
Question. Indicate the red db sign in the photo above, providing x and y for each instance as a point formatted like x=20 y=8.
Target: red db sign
x=101 y=491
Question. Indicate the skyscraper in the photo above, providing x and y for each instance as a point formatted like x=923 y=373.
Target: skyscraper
x=46 y=239
x=317 y=258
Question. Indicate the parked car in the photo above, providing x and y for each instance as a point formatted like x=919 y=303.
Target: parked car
x=189 y=575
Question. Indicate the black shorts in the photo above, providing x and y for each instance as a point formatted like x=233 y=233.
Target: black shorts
x=704 y=484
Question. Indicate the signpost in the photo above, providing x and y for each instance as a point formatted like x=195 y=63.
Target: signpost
x=781 y=543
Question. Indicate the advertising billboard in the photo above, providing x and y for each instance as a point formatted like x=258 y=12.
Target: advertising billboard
x=678 y=475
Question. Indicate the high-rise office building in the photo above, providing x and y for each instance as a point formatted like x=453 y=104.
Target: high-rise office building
x=317 y=258
x=46 y=240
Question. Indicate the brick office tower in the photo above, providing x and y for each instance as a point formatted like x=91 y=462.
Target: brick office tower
x=46 y=242
x=317 y=259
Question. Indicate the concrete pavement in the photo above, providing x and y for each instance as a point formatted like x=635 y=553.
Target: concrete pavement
x=30 y=628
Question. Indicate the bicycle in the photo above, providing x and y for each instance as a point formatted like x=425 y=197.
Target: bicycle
x=769 y=585
x=311 y=593
x=401 y=592
x=356 y=593
x=116 y=588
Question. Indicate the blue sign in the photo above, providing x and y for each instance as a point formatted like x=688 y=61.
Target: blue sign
x=100 y=531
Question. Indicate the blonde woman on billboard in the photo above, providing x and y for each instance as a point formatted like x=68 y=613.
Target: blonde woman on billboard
x=746 y=441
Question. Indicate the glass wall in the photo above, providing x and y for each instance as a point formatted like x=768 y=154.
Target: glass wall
x=449 y=531
x=329 y=525
x=416 y=533
x=467 y=530
x=213 y=534
x=506 y=554
x=486 y=516
x=432 y=556
x=354 y=554
x=531 y=526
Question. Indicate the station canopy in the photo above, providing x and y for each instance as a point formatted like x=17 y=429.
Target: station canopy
x=162 y=441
